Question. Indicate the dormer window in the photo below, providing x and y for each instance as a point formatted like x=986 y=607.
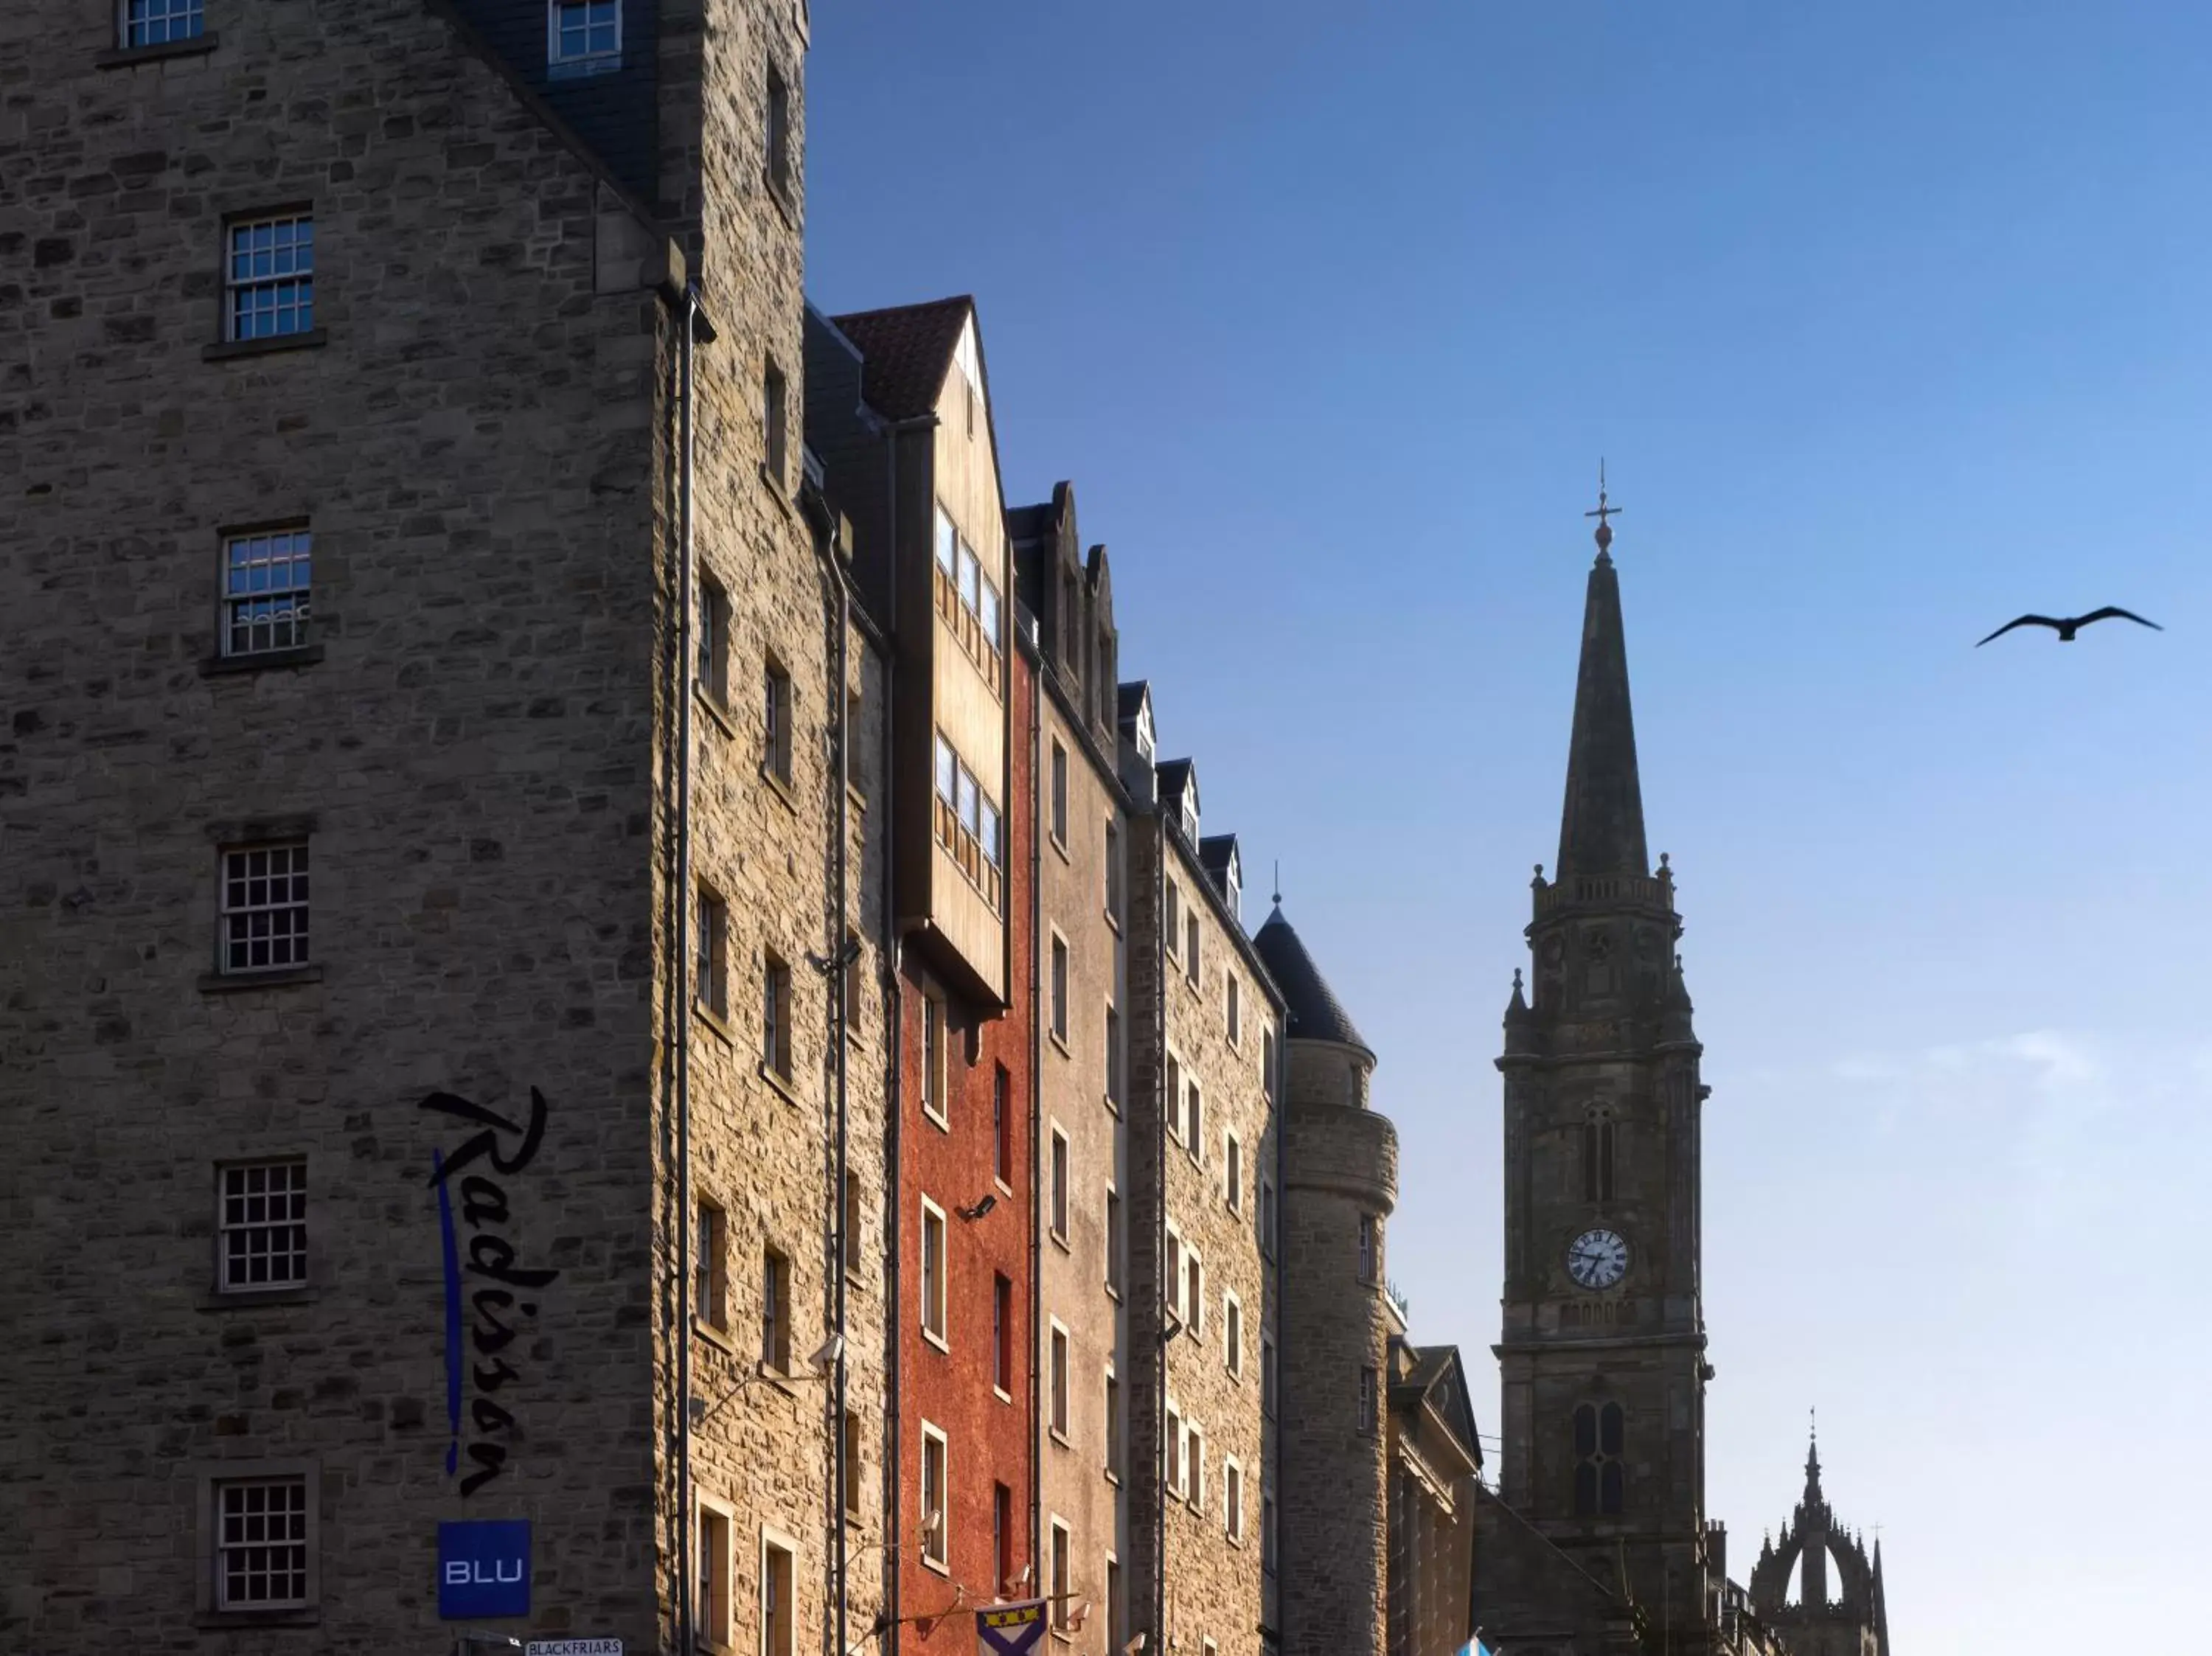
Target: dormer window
x=583 y=37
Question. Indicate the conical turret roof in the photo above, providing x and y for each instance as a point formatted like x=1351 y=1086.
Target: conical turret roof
x=1314 y=1012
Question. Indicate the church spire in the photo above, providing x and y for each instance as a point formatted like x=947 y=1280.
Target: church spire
x=1813 y=1497
x=1601 y=825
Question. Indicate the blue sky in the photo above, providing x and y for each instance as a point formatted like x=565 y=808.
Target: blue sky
x=1890 y=320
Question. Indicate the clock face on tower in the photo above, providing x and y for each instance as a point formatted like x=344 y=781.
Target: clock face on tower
x=1597 y=1259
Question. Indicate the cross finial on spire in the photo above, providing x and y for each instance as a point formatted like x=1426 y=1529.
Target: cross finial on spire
x=1604 y=513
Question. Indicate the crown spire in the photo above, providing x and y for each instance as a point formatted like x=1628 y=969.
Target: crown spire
x=1601 y=825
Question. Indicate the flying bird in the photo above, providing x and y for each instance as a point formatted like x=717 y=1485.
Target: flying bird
x=2066 y=626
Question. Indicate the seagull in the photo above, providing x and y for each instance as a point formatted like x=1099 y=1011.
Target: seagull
x=2066 y=627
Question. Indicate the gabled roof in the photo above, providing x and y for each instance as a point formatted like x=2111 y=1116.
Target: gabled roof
x=1314 y=1012
x=1174 y=777
x=1129 y=698
x=1218 y=854
x=1435 y=1376
x=908 y=351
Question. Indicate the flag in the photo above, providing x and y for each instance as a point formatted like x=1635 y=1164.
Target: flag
x=1011 y=1629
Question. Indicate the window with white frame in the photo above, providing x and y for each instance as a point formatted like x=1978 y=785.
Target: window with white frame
x=775 y=1311
x=1232 y=1334
x=710 y=1266
x=1063 y=1604
x=1113 y=1241
x=1114 y=1624
x=934 y=1040
x=1059 y=988
x=261 y=1544
x=933 y=1271
x=1232 y=1170
x=775 y=721
x=261 y=1228
x=1173 y=1438
x=779 y=1633
x=1194 y=1136
x=714 y=1565
x=967 y=822
x=1113 y=1059
x=1113 y=871
x=1171 y=1277
x=1175 y=1097
x=711 y=969
x=935 y=1523
x=967 y=600
x=1112 y=1413
x=583 y=37
x=1059 y=1380
x=1171 y=929
x=269 y=277
x=1057 y=794
x=157 y=22
x=264 y=590
x=1058 y=1190
x=1236 y=1011
x=714 y=663
x=1232 y=1499
x=1193 y=1272
x=1195 y=1464
x=775 y=1015
x=1190 y=961
x=265 y=906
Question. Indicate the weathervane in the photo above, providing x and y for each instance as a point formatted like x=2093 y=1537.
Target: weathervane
x=1603 y=513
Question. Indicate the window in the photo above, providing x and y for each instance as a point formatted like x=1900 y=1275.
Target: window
x=1598 y=1436
x=156 y=22
x=265 y=592
x=712 y=968
x=854 y=1243
x=1113 y=1418
x=966 y=822
x=775 y=751
x=779 y=131
x=1059 y=1189
x=1060 y=989
x=1597 y=1156
x=1172 y=1276
x=1267 y=1061
x=1232 y=1171
x=1062 y=1604
x=1236 y=1011
x=853 y=1478
x=1267 y=1531
x=1113 y=871
x=713 y=1567
x=261 y=1229
x=1059 y=1376
x=1112 y=1059
x=1173 y=1441
x=1194 y=1136
x=710 y=1279
x=1232 y=1499
x=1190 y=964
x=779 y=1610
x=1266 y=1216
x=1267 y=1376
x=1367 y=1396
x=933 y=1059
x=1193 y=1307
x=714 y=663
x=774 y=435
x=1002 y=1124
x=1113 y=1242
x=1366 y=1247
x=967 y=600
x=264 y=908
x=1194 y=1465
x=935 y=1523
x=1172 y=908
x=1175 y=1098
x=1232 y=1335
x=776 y=1016
x=1113 y=1622
x=1002 y=1537
x=1059 y=794
x=583 y=37
x=1002 y=1336
x=775 y=1311
x=269 y=278
x=261 y=1544
x=933 y=1271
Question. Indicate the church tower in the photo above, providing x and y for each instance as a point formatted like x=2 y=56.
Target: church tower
x=1602 y=1353
x=1844 y=1618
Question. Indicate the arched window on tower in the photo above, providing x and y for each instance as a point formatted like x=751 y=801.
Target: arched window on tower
x=1598 y=1475
x=1597 y=1155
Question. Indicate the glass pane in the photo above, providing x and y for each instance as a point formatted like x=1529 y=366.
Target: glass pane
x=946 y=557
x=970 y=574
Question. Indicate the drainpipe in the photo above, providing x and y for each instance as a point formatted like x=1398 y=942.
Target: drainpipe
x=1036 y=1142
x=680 y=1033
x=1160 y=1240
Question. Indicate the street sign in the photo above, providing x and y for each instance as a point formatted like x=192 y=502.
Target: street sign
x=483 y=1569
x=573 y=1647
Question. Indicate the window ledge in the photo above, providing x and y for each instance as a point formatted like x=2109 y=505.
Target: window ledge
x=937 y=1564
x=1114 y=921
x=1060 y=1042
x=304 y=655
x=937 y=1340
x=242 y=1299
x=1001 y=1393
x=1060 y=1241
x=222 y=982
x=775 y=488
x=124 y=56
x=713 y=1336
x=860 y=799
x=713 y=1019
x=307 y=339
x=779 y=786
x=942 y=1123
x=780 y=1082
x=1112 y=1477
x=1058 y=1437
x=1112 y=1293
x=1060 y=845
x=305 y=1616
x=780 y=195
x=1113 y=1105
x=854 y=1520
x=715 y=710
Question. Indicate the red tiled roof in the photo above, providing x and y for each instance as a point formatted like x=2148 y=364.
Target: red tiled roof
x=906 y=350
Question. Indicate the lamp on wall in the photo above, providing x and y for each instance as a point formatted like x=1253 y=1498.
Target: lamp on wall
x=819 y=1366
x=979 y=1209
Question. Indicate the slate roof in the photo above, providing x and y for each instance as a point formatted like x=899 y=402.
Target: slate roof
x=908 y=350
x=1129 y=698
x=1174 y=777
x=1315 y=1014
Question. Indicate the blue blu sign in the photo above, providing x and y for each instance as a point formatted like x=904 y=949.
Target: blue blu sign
x=483 y=1569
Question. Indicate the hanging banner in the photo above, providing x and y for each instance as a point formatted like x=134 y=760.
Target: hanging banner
x=1011 y=1629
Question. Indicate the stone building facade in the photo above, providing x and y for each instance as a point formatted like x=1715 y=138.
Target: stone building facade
x=1808 y=1618
x=397 y=914
x=1435 y=1469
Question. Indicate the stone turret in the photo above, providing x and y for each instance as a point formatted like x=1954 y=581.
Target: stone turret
x=1847 y=1617
x=1339 y=1176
